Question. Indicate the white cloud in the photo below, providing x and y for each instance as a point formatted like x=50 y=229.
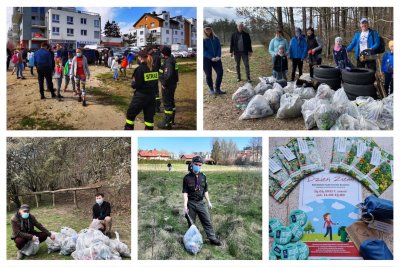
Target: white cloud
x=320 y=201
x=216 y=13
x=306 y=209
x=315 y=219
x=337 y=206
x=125 y=26
x=354 y=216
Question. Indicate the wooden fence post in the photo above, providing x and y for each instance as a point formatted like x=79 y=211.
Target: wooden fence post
x=54 y=200
x=75 y=201
x=37 y=201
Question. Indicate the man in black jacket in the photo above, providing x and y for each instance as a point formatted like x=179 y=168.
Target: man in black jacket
x=102 y=215
x=241 y=49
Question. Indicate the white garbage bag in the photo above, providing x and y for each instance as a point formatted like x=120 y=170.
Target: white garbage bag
x=274 y=98
x=290 y=106
x=324 y=92
x=31 y=248
x=193 y=240
x=243 y=95
x=258 y=107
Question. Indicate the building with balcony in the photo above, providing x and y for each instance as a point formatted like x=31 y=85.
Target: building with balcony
x=29 y=28
x=162 y=29
x=73 y=28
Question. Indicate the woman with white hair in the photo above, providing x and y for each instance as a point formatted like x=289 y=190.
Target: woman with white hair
x=212 y=60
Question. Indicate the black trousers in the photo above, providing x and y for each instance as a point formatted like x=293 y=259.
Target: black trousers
x=297 y=63
x=45 y=73
x=168 y=94
x=145 y=102
x=369 y=64
x=198 y=208
x=389 y=83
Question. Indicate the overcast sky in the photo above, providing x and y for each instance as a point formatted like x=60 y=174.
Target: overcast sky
x=216 y=13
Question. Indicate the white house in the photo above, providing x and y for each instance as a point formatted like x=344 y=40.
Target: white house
x=72 y=27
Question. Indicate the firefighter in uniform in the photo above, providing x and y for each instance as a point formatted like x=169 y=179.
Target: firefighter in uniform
x=195 y=188
x=145 y=84
x=169 y=79
x=155 y=54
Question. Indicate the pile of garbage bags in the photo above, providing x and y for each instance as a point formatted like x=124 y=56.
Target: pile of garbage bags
x=192 y=240
x=88 y=244
x=31 y=248
x=323 y=108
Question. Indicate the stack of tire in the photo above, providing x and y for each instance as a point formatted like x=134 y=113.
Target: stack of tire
x=329 y=75
x=359 y=82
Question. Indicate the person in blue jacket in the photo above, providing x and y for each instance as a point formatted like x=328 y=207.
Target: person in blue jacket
x=276 y=42
x=212 y=59
x=366 y=40
x=387 y=68
x=297 y=52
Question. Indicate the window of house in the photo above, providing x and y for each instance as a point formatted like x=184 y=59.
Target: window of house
x=70 y=32
x=141 y=33
x=35 y=9
x=97 y=34
x=152 y=24
x=83 y=21
x=70 y=20
x=56 y=30
x=145 y=18
x=167 y=31
x=97 y=23
x=55 y=18
x=166 y=24
x=84 y=32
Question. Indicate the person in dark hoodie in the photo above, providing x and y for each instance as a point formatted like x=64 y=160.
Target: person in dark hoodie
x=241 y=49
x=297 y=52
x=314 y=50
x=280 y=64
x=212 y=60
x=23 y=225
x=102 y=215
x=169 y=79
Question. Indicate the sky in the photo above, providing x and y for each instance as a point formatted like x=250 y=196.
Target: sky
x=186 y=144
x=216 y=13
x=126 y=16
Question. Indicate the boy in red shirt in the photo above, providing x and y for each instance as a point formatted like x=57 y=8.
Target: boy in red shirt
x=80 y=72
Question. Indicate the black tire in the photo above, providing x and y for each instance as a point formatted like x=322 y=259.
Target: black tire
x=358 y=76
x=334 y=84
x=355 y=90
x=327 y=72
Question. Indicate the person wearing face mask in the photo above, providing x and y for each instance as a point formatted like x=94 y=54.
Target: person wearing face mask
x=23 y=225
x=102 y=213
x=80 y=72
x=297 y=52
x=314 y=50
x=365 y=41
x=195 y=189
x=145 y=83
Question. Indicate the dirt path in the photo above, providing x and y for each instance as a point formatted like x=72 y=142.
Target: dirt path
x=25 y=110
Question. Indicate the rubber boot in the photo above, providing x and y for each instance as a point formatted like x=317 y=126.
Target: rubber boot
x=167 y=123
x=129 y=127
x=148 y=128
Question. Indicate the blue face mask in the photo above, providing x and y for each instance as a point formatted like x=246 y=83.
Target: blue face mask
x=25 y=215
x=196 y=169
x=78 y=54
x=99 y=201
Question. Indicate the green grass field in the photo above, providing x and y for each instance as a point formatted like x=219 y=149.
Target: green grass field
x=319 y=237
x=236 y=215
x=55 y=218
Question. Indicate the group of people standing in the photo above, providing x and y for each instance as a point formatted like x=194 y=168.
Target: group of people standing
x=302 y=47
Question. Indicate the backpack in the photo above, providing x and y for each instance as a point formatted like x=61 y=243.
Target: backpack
x=14 y=58
x=381 y=47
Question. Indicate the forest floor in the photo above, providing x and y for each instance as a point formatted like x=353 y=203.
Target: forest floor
x=107 y=102
x=236 y=215
x=66 y=214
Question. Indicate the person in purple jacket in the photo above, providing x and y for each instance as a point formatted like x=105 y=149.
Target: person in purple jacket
x=212 y=60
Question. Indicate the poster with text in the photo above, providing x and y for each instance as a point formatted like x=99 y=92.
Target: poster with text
x=330 y=200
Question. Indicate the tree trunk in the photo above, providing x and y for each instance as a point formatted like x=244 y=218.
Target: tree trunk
x=310 y=23
x=343 y=15
x=291 y=19
x=279 y=16
x=304 y=15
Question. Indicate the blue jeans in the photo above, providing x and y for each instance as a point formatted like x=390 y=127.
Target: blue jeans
x=208 y=65
x=279 y=75
x=20 y=68
x=115 y=74
x=329 y=231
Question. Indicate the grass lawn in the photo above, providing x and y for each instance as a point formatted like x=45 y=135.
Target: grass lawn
x=236 y=215
x=319 y=237
x=55 y=218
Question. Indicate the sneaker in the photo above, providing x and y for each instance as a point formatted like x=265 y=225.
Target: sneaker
x=84 y=103
x=215 y=242
x=20 y=255
x=220 y=92
x=80 y=99
x=23 y=78
x=239 y=80
x=212 y=91
x=53 y=95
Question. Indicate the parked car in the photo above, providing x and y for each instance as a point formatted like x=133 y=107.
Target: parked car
x=176 y=54
x=184 y=53
x=118 y=52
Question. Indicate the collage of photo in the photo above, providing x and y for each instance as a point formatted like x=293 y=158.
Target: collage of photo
x=88 y=179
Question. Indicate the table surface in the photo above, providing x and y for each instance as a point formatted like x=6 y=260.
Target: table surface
x=324 y=145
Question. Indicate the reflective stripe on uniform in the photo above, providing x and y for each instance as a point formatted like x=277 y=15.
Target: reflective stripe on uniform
x=130 y=122
x=150 y=76
x=161 y=71
x=158 y=98
x=174 y=109
x=148 y=124
x=170 y=112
